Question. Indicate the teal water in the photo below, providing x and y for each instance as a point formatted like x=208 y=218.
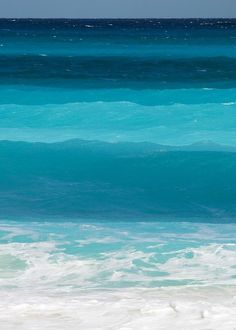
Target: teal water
x=117 y=174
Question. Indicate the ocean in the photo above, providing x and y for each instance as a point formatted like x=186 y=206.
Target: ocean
x=118 y=174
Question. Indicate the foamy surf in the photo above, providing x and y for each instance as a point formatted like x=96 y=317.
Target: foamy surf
x=117 y=275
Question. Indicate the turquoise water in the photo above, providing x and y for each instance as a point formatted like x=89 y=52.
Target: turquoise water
x=117 y=174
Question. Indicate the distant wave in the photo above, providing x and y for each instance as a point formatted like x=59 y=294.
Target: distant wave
x=177 y=124
x=32 y=95
x=118 y=71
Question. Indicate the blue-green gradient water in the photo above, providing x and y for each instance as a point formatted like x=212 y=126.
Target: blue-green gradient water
x=117 y=174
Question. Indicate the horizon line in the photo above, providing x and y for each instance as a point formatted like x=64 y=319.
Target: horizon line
x=118 y=18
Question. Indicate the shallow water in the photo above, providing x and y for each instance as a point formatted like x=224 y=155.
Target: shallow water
x=119 y=275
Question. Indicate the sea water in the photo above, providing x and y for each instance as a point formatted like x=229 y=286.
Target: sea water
x=117 y=174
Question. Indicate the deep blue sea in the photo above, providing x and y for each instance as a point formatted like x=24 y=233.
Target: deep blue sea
x=118 y=174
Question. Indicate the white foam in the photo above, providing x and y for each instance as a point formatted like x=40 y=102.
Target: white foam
x=15 y=231
x=134 y=309
x=229 y=103
x=43 y=286
x=214 y=263
x=45 y=265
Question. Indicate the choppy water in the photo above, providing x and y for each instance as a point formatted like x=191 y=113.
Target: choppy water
x=117 y=275
x=117 y=174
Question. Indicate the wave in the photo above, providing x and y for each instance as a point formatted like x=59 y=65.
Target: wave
x=118 y=72
x=74 y=45
x=176 y=124
x=32 y=95
x=109 y=274
x=141 y=254
x=87 y=179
